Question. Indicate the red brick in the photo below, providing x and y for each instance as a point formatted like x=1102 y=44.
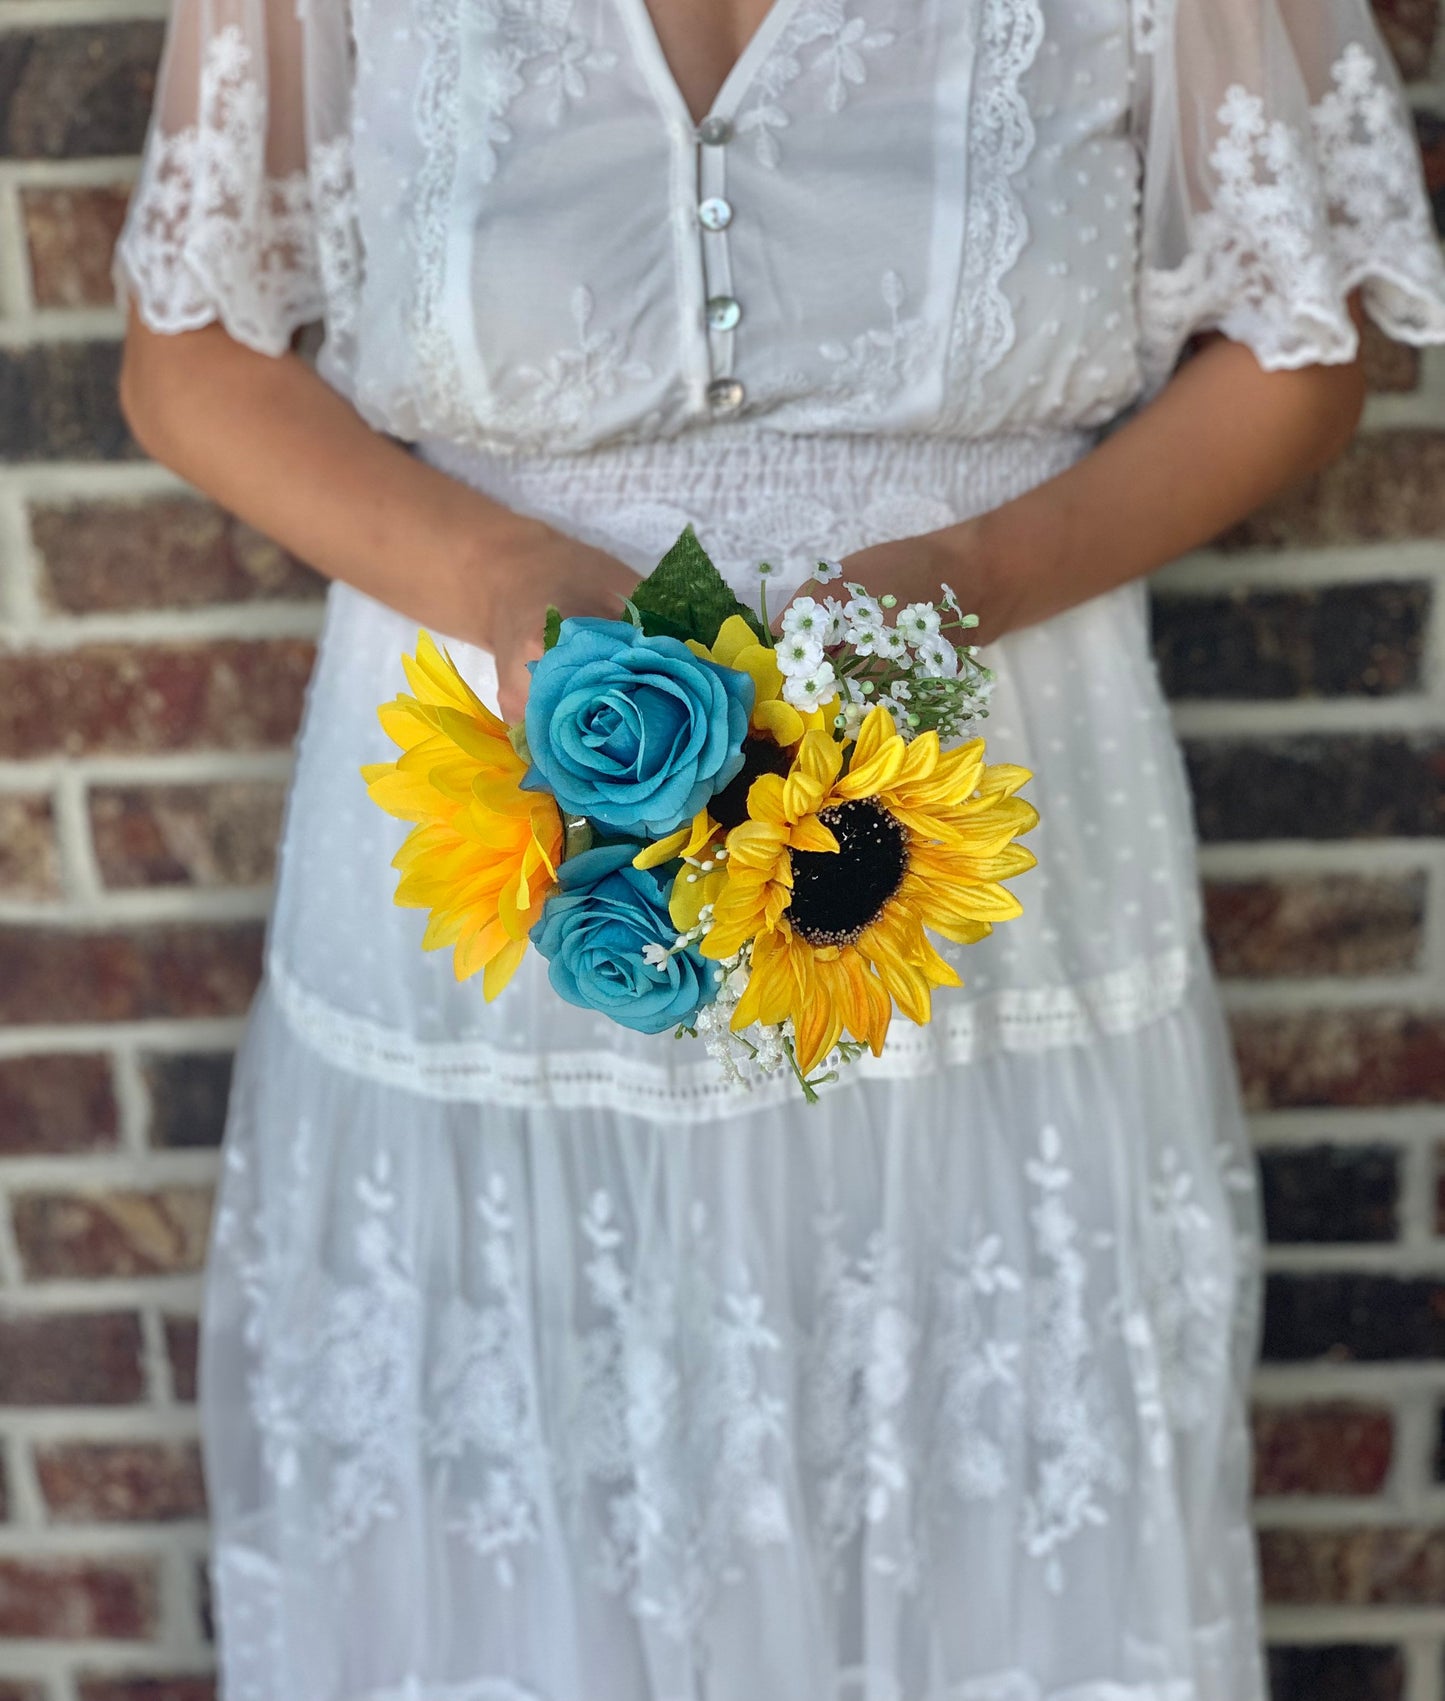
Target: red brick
x=1353 y=1567
x=119 y=1233
x=16 y=1690
x=182 y=1342
x=1337 y=1448
x=29 y=860
x=1410 y=27
x=121 y=1482
x=78 y=92
x=75 y=1599
x=60 y=975
x=71 y=1359
x=160 y=552
x=147 y=1689
x=222 y=834
x=1329 y=925
x=71 y=233
x=1342 y=1058
x=1391 y=367
x=1388 y=487
x=56 y=1104
x=123 y=699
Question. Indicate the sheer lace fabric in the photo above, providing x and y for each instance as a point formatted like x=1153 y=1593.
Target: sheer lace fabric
x=927 y=1418
x=1086 y=186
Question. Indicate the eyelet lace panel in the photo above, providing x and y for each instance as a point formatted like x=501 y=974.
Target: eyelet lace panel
x=1001 y=142
x=212 y=235
x=693 y=1403
x=1016 y=1019
x=1297 y=222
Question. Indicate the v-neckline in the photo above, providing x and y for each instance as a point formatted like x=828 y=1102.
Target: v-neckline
x=658 y=68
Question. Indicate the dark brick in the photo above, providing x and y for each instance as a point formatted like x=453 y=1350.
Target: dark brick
x=1337 y=1672
x=1316 y=925
x=77 y=1599
x=221 y=834
x=1353 y=1567
x=1431 y=131
x=1391 y=368
x=1389 y=486
x=160 y=552
x=59 y=402
x=1347 y=1318
x=14 y=1689
x=29 y=860
x=182 y=1341
x=56 y=1103
x=149 y=1689
x=125 y=699
x=123 y=1232
x=1320 y=641
x=71 y=233
x=54 y=975
x=68 y=93
x=188 y=1092
x=1335 y=1448
x=1322 y=1194
x=1342 y=1058
x=85 y=1482
x=1318 y=787
x=71 y=1359
x=1411 y=28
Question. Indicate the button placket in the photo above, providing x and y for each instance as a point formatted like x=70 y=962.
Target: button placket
x=720 y=310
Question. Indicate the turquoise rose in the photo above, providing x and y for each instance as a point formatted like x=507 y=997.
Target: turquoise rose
x=634 y=733
x=594 y=933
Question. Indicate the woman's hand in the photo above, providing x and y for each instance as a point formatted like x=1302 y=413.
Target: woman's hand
x=915 y=569
x=544 y=569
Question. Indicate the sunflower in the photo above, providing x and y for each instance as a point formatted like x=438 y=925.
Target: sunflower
x=484 y=853
x=774 y=729
x=834 y=877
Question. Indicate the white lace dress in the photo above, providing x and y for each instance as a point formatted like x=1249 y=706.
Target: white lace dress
x=539 y=1365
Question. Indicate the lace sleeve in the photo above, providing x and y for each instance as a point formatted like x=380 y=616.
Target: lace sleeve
x=243 y=210
x=1281 y=172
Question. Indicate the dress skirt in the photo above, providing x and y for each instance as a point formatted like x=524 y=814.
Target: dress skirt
x=539 y=1366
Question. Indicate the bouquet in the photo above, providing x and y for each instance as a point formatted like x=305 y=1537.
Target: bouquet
x=707 y=828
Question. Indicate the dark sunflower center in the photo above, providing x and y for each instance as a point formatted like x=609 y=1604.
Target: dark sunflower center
x=835 y=897
x=760 y=756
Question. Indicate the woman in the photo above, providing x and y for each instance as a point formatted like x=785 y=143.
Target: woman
x=540 y=1364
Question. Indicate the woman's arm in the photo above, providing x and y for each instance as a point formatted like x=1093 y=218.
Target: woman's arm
x=272 y=442
x=1220 y=439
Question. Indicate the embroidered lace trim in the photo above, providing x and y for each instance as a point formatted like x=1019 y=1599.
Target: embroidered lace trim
x=212 y=235
x=1298 y=221
x=1017 y=1019
x=1001 y=143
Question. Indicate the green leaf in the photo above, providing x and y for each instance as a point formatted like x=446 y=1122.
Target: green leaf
x=552 y=628
x=517 y=738
x=685 y=596
x=579 y=836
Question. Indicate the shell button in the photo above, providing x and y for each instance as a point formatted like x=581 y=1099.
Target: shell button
x=723 y=312
x=715 y=213
x=725 y=395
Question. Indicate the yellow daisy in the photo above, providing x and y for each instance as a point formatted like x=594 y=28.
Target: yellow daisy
x=834 y=877
x=484 y=853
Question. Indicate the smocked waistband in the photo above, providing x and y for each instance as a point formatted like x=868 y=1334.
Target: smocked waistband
x=756 y=494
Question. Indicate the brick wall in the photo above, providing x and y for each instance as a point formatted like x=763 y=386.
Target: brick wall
x=151 y=670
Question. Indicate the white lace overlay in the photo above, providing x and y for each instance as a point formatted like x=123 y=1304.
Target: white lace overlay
x=214 y=234
x=1001 y=140
x=1297 y=219
x=676 y=1421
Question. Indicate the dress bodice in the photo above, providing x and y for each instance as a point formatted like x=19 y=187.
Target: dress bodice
x=920 y=217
